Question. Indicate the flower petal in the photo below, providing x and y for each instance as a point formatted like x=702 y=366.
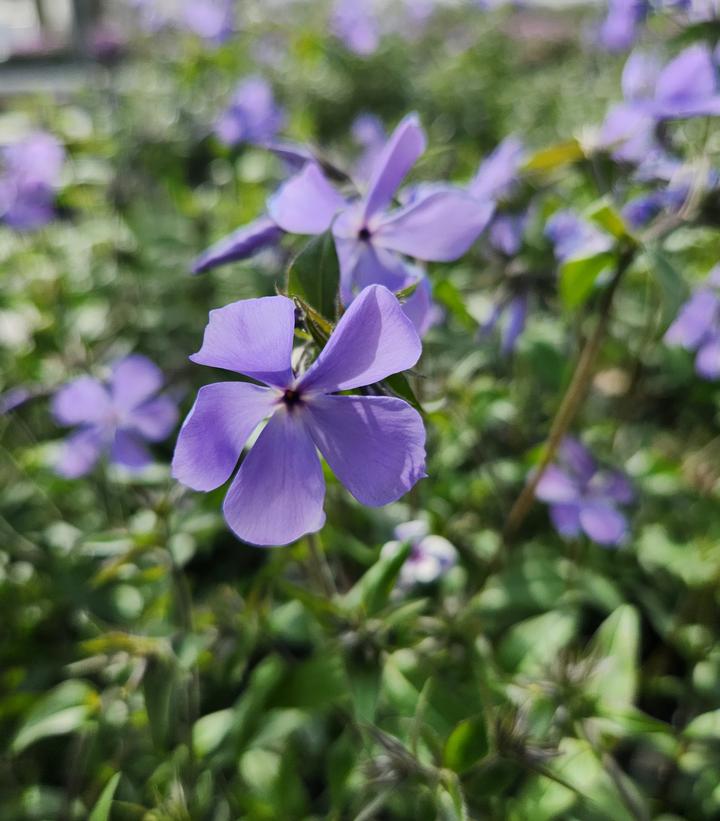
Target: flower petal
x=306 y=203
x=707 y=362
x=499 y=171
x=695 y=320
x=577 y=459
x=362 y=264
x=439 y=227
x=80 y=451
x=556 y=486
x=155 y=419
x=253 y=337
x=687 y=79
x=372 y=340
x=566 y=519
x=81 y=401
x=614 y=485
x=401 y=151
x=515 y=325
x=215 y=431
x=420 y=308
x=128 y=450
x=134 y=380
x=277 y=495
x=602 y=523
x=241 y=244
x=375 y=445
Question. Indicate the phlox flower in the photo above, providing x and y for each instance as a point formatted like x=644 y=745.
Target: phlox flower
x=29 y=177
x=430 y=556
x=697 y=327
x=584 y=497
x=252 y=115
x=114 y=418
x=621 y=26
x=375 y=445
x=357 y=25
x=573 y=237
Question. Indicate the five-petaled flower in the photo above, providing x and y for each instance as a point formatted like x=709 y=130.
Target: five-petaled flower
x=116 y=418
x=584 y=497
x=374 y=444
x=430 y=556
x=697 y=326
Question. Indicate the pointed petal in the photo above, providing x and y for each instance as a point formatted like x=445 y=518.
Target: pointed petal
x=81 y=401
x=306 y=203
x=372 y=340
x=216 y=430
x=80 y=451
x=566 y=519
x=401 y=152
x=603 y=523
x=577 y=459
x=556 y=486
x=499 y=171
x=695 y=320
x=128 y=450
x=640 y=76
x=688 y=78
x=516 y=318
x=241 y=244
x=707 y=362
x=134 y=380
x=277 y=495
x=375 y=445
x=439 y=228
x=253 y=337
x=155 y=419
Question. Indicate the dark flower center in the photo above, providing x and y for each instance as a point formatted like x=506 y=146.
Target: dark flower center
x=291 y=398
x=364 y=234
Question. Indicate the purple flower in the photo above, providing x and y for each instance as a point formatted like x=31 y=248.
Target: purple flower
x=252 y=116
x=357 y=25
x=375 y=445
x=29 y=180
x=115 y=418
x=213 y=20
x=574 y=237
x=512 y=313
x=584 y=497
x=498 y=173
x=697 y=327
x=369 y=133
x=506 y=233
x=620 y=28
x=430 y=556
x=437 y=225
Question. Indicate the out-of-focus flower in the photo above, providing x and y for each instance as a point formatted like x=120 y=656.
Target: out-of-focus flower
x=584 y=497
x=622 y=23
x=430 y=556
x=369 y=133
x=437 y=225
x=29 y=177
x=116 y=418
x=14 y=398
x=252 y=116
x=375 y=445
x=357 y=25
x=574 y=237
x=510 y=312
x=498 y=173
x=213 y=20
x=697 y=327
x=506 y=233
x=241 y=244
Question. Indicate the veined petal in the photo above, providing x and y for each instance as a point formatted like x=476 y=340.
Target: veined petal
x=84 y=400
x=278 y=493
x=439 y=228
x=306 y=203
x=375 y=445
x=253 y=337
x=241 y=244
x=372 y=340
x=401 y=151
x=602 y=522
x=154 y=419
x=80 y=451
x=134 y=380
x=556 y=486
x=215 y=431
x=128 y=450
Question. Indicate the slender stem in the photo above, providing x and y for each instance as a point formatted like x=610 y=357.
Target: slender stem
x=571 y=401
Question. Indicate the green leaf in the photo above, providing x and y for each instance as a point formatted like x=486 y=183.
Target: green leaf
x=604 y=214
x=314 y=274
x=705 y=726
x=673 y=288
x=467 y=744
x=534 y=643
x=63 y=710
x=372 y=590
x=399 y=385
x=448 y=295
x=209 y=731
x=319 y=328
x=556 y=156
x=364 y=685
x=158 y=685
x=578 y=277
x=101 y=810
x=615 y=648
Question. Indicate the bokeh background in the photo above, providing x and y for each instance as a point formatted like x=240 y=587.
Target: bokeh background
x=152 y=666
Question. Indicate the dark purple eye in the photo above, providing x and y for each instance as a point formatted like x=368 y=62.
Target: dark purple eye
x=364 y=234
